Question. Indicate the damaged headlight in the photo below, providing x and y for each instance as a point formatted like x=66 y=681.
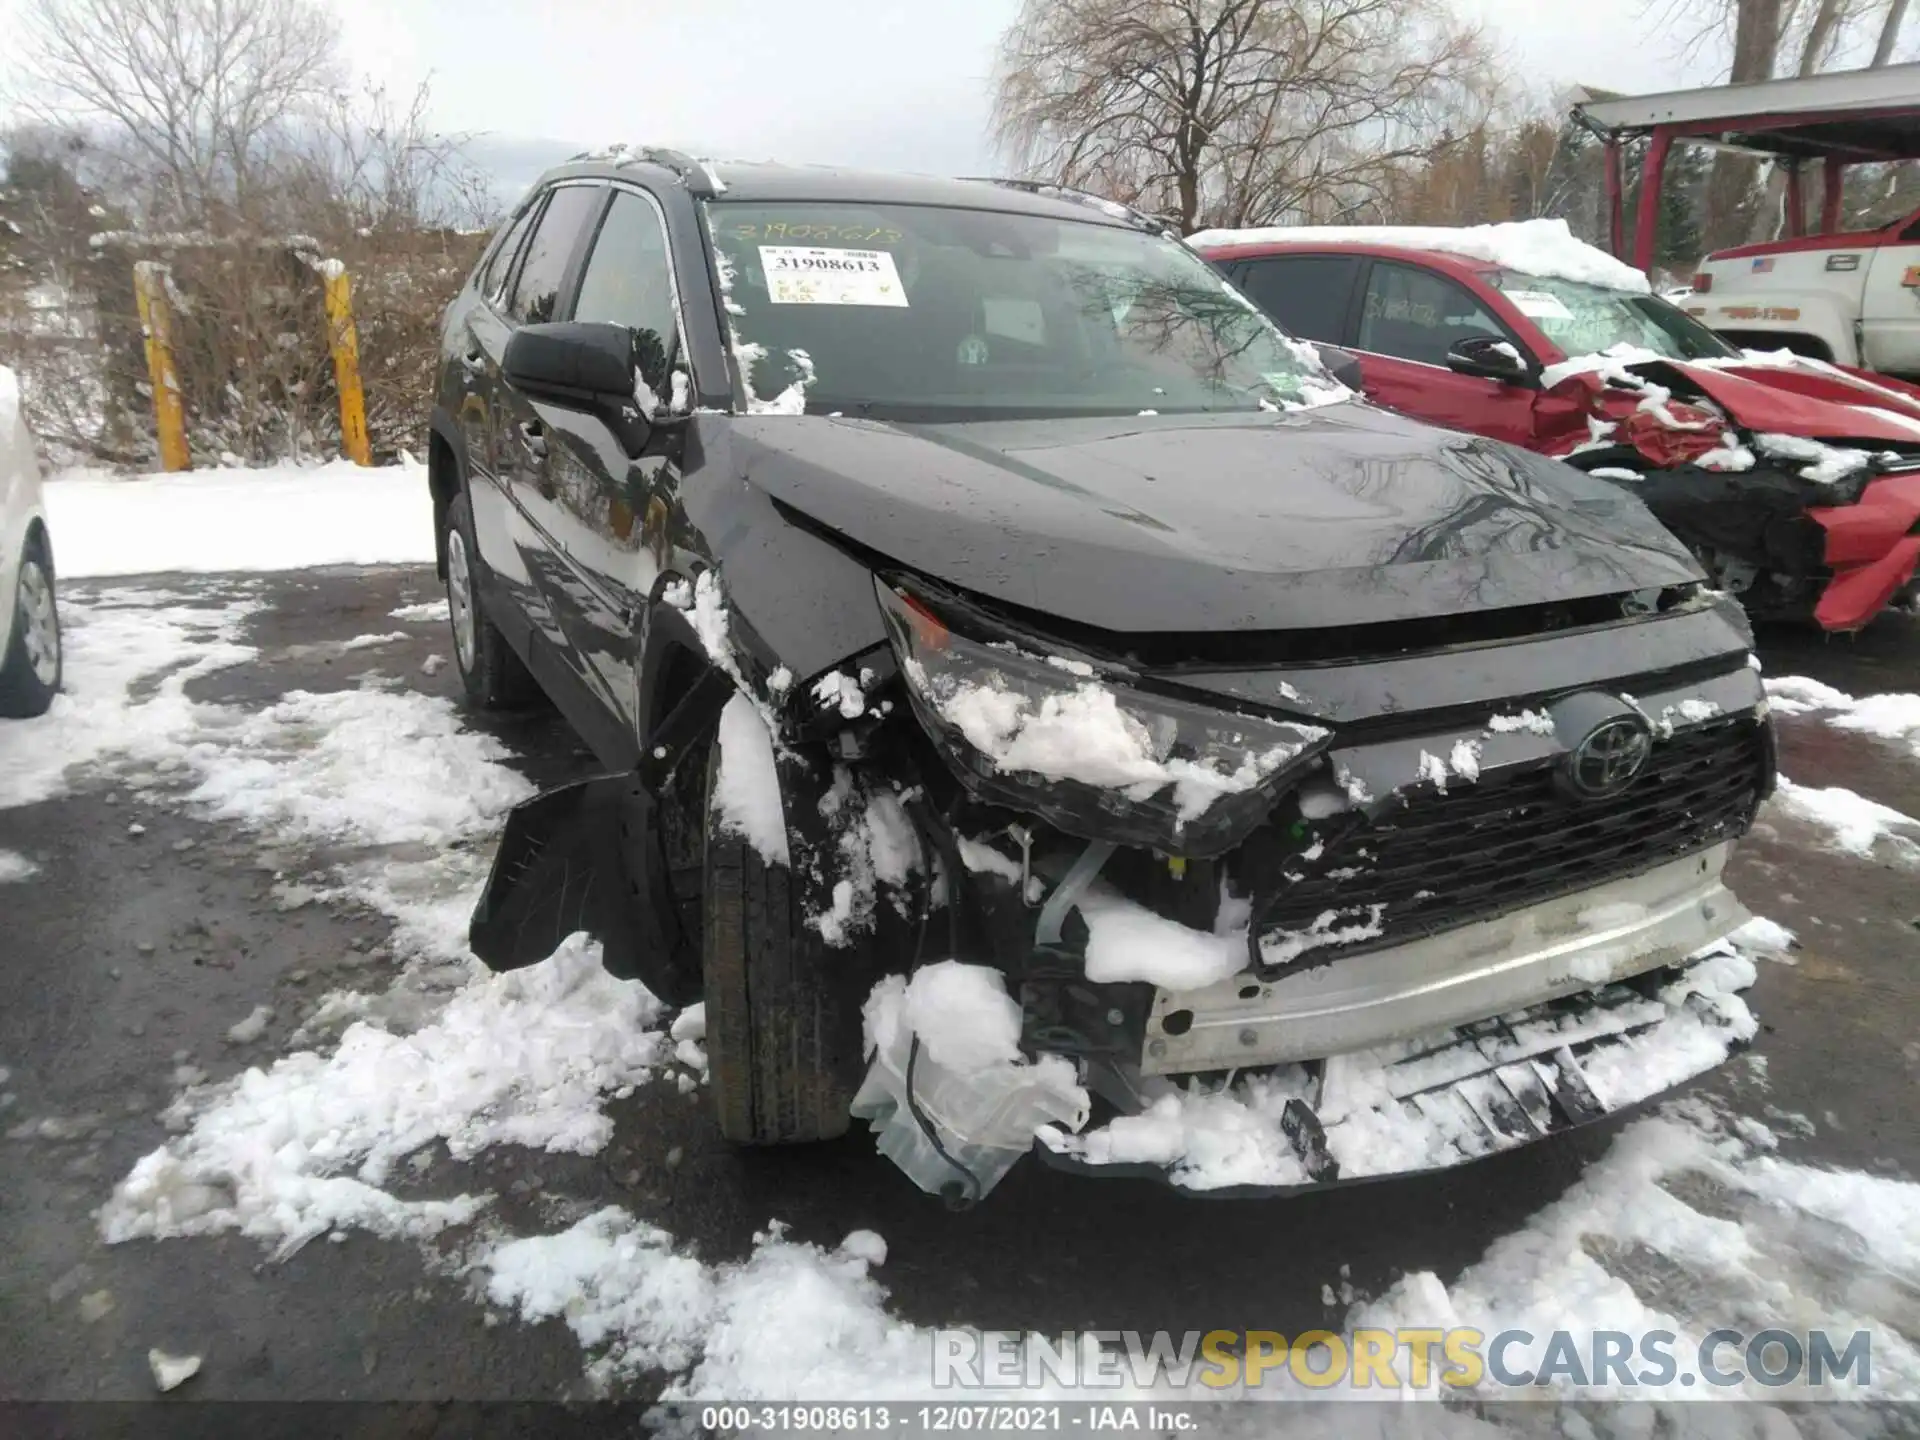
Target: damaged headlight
x=1055 y=737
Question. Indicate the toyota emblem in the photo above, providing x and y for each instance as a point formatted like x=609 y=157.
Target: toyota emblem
x=1606 y=761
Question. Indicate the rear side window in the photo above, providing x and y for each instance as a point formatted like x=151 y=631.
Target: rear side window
x=500 y=264
x=1307 y=294
x=1416 y=315
x=536 y=291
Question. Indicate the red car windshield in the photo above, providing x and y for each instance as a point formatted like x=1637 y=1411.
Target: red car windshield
x=1586 y=319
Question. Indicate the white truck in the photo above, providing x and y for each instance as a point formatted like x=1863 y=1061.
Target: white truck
x=1850 y=298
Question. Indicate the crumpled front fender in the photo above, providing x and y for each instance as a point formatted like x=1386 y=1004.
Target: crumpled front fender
x=1873 y=550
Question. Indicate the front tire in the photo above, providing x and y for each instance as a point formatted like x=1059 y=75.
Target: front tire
x=783 y=1023
x=31 y=666
x=494 y=677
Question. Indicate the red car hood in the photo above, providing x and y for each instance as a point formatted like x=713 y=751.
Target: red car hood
x=1810 y=399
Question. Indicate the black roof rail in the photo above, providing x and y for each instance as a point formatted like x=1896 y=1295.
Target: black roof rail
x=1101 y=203
x=694 y=174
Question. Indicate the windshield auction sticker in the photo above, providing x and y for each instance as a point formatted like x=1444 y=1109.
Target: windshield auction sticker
x=1538 y=305
x=818 y=275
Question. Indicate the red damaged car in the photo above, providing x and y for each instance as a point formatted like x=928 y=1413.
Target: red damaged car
x=1796 y=482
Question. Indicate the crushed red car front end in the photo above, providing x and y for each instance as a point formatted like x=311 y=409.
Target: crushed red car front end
x=1707 y=443
x=1872 y=548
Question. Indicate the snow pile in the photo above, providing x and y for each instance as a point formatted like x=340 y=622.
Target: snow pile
x=1402 y=1106
x=946 y=1063
x=291 y=1152
x=1535 y=722
x=1127 y=941
x=15 y=867
x=746 y=793
x=963 y=1015
x=1330 y=927
x=283 y=517
x=1610 y=365
x=1762 y=936
x=1892 y=716
x=1530 y=247
x=1855 y=824
x=619 y=1284
x=1798 y=695
x=1679 y=1221
x=116 y=647
x=1823 y=464
x=1085 y=735
x=373 y=642
x=424 y=612
x=791 y=1322
x=370 y=766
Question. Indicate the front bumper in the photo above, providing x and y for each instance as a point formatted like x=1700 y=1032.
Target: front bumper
x=1553 y=949
x=1431 y=1102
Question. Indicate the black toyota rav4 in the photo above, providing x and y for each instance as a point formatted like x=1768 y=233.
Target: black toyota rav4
x=1042 y=709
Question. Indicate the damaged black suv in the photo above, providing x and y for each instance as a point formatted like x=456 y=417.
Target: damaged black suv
x=960 y=582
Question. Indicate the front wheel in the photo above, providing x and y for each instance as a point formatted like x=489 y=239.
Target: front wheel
x=30 y=668
x=783 y=1009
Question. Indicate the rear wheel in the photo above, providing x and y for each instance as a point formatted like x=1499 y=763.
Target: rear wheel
x=30 y=667
x=495 y=678
x=783 y=1009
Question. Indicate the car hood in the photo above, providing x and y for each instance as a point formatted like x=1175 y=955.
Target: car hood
x=1807 y=398
x=1335 y=516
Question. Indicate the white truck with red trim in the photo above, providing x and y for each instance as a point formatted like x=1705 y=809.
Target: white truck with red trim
x=1852 y=298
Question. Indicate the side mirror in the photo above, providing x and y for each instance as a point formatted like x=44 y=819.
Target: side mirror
x=1486 y=357
x=1343 y=365
x=587 y=365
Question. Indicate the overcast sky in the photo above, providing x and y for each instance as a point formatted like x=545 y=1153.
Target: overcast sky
x=885 y=83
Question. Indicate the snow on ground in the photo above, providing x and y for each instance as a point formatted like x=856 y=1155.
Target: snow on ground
x=306 y=1146
x=1529 y=247
x=279 y=517
x=430 y=610
x=15 y=867
x=1854 y=823
x=1688 y=1224
x=365 y=767
x=1685 y=1227
x=127 y=665
x=1893 y=716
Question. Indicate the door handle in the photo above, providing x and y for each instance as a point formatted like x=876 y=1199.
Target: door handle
x=533 y=435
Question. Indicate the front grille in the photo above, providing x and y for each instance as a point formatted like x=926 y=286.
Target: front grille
x=1515 y=839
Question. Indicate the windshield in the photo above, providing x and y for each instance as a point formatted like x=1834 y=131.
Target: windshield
x=1587 y=319
x=902 y=310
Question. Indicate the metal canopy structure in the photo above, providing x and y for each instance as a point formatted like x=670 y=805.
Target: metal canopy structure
x=1851 y=117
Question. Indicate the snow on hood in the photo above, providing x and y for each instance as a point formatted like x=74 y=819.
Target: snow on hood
x=1533 y=247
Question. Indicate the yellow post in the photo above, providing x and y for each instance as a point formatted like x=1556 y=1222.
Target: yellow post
x=156 y=323
x=345 y=341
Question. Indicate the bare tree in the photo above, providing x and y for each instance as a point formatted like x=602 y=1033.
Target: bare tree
x=188 y=95
x=1230 y=111
x=1889 y=31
